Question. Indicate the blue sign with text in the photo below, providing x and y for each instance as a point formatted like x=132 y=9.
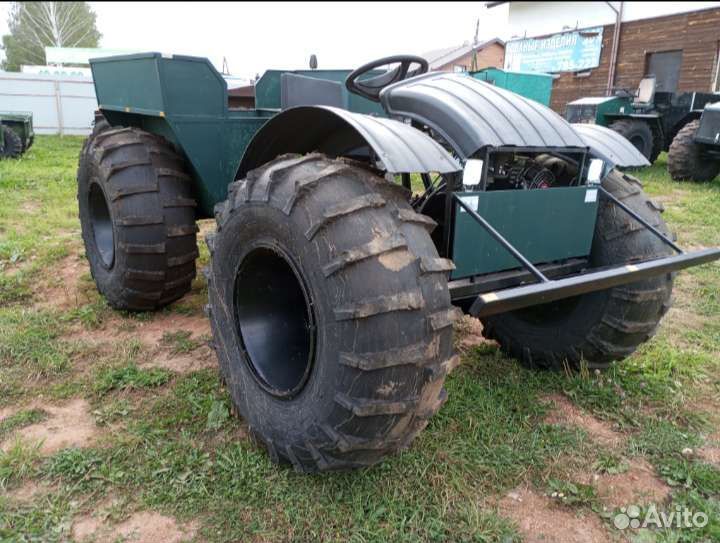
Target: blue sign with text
x=565 y=52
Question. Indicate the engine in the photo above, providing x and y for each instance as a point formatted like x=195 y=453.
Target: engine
x=513 y=172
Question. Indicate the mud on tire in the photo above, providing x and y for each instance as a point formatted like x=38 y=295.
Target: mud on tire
x=330 y=312
x=603 y=326
x=137 y=216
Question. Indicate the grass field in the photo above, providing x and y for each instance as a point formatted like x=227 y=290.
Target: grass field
x=114 y=426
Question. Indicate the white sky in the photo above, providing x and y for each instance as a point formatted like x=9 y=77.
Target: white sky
x=255 y=36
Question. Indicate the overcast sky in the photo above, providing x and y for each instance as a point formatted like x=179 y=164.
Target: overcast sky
x=257 y=36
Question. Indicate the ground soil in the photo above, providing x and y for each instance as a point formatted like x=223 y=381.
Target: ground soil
x=68 y=425
x=144 y=526
x=566 y=413
x=542 y=520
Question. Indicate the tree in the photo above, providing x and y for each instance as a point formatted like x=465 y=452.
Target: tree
x=36 y=25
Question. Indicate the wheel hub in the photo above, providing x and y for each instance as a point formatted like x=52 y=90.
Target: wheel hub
x=274 y=320
x=101 y=223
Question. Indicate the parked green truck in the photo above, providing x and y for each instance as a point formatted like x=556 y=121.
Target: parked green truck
x=334 y=280
x=649 y=118
x=16 y=133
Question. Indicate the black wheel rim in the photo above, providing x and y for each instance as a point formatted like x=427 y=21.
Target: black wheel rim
x=274 y=320
x=101 y=223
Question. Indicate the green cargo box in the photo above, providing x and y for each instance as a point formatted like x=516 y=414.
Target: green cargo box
x=537 y=87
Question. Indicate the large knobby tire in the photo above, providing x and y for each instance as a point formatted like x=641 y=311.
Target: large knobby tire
x=639 y=134
x=599 y=327
x=330 y=312
x=137 y=216
x=12 y=147
x=686 y=160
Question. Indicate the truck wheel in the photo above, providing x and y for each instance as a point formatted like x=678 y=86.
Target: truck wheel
x=12 y=147
x=658 y=145
x=602 y=326
x=330 y=312
x=638 y=133
x=137 y=217
x=686 y=160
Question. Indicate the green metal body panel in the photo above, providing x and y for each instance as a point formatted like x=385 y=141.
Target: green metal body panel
x=267 y=90
x=183 y=99
x=21 y=122
x=544 y=225
x=601 y=110
x=536 y=86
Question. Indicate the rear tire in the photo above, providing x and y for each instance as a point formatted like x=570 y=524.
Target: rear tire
x=639 y=134
x=603 y=326
x=137 y=217
x=330 y=312
x=686 y=160
x=12 y=147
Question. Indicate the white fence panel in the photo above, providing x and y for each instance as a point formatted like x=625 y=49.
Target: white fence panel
x=60 y=105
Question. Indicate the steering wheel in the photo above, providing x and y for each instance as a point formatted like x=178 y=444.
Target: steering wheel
x=370 y=88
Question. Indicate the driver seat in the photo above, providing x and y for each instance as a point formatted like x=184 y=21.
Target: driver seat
x=646 y=93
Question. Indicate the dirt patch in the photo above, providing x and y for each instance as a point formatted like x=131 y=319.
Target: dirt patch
x=151 y=332
x=70 y=425
x=201 y=358
x=148 y=332
x=540 y=520
x=639 y=485
x=145 y=527
x=6 y=412
x=60 y=291
x=565 y=413
x=709 y=454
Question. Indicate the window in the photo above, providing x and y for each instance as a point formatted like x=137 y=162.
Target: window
x=459 y=68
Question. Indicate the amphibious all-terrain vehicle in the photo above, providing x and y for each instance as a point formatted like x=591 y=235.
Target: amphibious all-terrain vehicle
x=16 y=133
x=695 y=151
x=648 y=118
x=347 y=244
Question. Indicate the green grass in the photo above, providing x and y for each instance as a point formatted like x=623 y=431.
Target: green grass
x=170 y=443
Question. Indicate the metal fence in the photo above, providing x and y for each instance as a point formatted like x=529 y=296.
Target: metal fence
x=60 y=104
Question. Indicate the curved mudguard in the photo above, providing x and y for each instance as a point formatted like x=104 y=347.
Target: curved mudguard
x=610 y=146
x=471 y=114
x=398 y=147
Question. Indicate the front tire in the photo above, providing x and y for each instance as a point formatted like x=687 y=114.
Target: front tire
x=599 y=327
x=330 y=312
x=138 y=218
x=686 y=160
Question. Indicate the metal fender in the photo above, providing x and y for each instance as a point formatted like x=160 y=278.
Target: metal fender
x=396 y=147
x=471 y=114
x=610 y=146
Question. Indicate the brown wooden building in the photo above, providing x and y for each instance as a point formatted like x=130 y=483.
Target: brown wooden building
x=682 y=51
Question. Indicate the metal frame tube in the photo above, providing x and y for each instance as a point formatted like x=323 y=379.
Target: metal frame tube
x=639 y=219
